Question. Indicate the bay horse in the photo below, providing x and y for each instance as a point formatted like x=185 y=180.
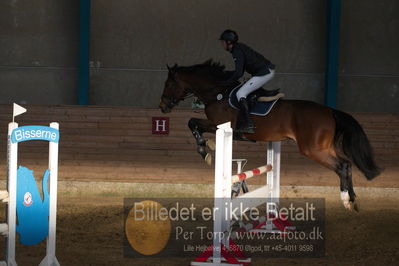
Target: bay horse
x=327 y=136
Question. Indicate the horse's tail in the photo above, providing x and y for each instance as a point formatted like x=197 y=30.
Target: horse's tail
x=352 y=141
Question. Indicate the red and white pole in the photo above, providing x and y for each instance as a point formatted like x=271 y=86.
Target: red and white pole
x=251 y=173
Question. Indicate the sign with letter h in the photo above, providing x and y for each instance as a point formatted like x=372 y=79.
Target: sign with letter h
x=160 y=125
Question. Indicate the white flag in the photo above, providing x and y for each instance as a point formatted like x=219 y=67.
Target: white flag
x=17 y=110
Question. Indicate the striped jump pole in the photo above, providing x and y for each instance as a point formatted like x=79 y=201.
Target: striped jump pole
x=251 y=173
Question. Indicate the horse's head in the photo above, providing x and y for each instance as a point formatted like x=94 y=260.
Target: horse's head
x=201 y=80
x=173 y=92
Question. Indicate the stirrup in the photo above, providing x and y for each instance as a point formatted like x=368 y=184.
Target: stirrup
x=249 y=130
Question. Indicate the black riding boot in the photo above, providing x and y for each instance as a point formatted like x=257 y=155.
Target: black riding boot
x=248 y=126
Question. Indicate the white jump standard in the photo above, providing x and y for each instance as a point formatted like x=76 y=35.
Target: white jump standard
x=9 y=228
x=224 y=251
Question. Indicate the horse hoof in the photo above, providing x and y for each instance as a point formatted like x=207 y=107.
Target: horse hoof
x=356 y=206
x=351 y=206
x=348 y=206
x=346 y=200
x=211 y=144
x=208 y=159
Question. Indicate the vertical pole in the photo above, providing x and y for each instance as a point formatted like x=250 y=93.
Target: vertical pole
x=270 y=174
x=273 y=177
x=332 y=59
x=239 y=167
x=50 y=258
x=269 y=183
x=84 y=46
x=223 y=161
x=12 y=157
x=228 y=161
x=276 y=170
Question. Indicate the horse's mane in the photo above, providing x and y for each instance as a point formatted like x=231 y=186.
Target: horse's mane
x=208 y=69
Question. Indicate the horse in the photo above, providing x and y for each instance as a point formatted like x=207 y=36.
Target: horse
x=325 y=135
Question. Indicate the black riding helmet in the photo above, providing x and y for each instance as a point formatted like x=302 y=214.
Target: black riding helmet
x=229 y=35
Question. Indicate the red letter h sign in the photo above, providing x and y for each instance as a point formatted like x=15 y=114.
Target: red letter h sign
x=160 y=125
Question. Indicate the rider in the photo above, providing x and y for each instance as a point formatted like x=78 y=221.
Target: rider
x=246 y=59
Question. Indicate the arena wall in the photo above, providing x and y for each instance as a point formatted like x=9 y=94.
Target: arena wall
x=131 y=41
x=116 y=144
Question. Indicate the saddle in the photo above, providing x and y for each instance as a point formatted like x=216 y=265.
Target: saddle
x=260 y=101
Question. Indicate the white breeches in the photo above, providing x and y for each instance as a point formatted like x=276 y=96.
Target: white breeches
x=253 y=84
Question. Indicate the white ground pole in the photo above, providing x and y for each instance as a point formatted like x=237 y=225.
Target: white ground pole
x=12 y=156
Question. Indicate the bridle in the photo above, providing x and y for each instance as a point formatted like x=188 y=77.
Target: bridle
x=172 y=101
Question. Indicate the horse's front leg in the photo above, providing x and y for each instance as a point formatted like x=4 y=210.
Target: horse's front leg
x=198 y=127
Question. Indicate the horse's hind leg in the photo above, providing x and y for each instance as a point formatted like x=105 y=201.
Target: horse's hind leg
x=198 y=127
x=348 y=196
x=342 y=167
x=352 y=195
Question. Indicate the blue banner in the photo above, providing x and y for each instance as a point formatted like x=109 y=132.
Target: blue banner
x=32 y=210
x=26 y=133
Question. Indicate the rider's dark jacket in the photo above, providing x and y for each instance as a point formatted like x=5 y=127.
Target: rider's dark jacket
x=247 y=59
